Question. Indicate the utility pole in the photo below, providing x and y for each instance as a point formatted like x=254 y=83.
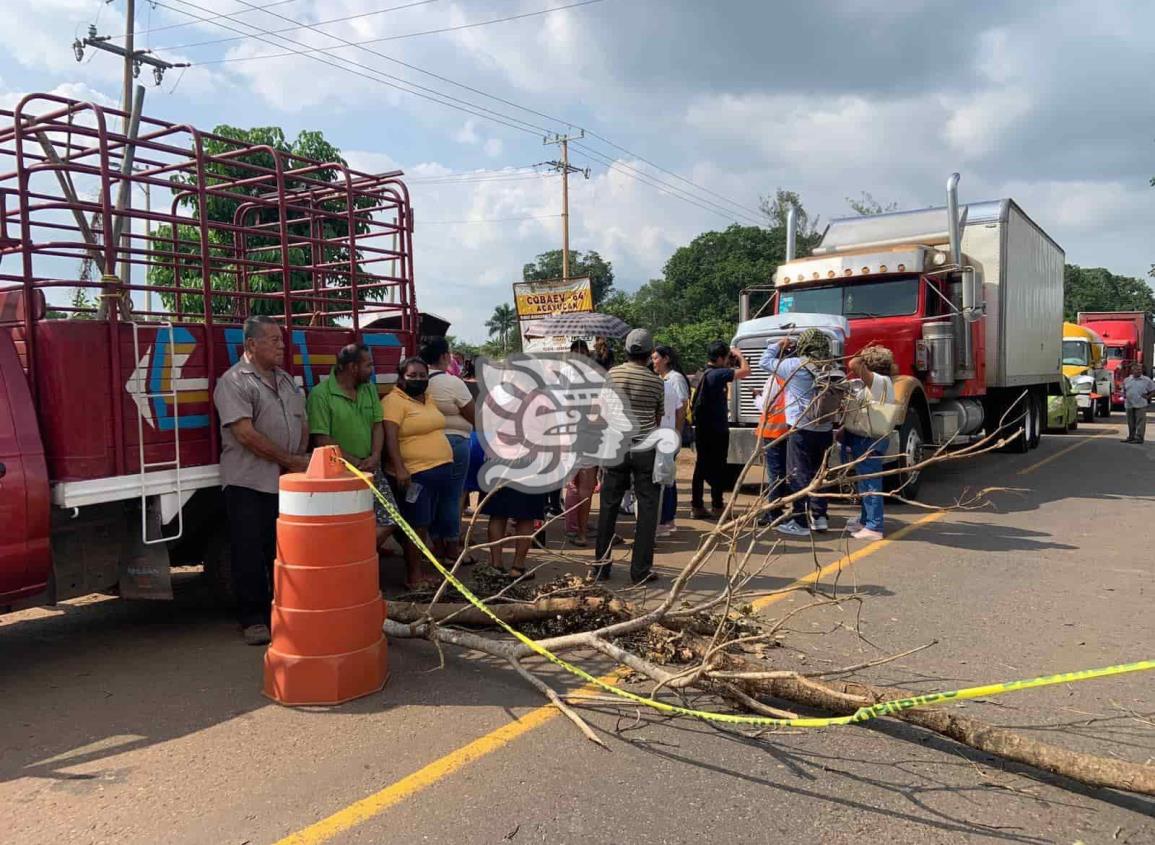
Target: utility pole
x=565 y=169
x=133 y=61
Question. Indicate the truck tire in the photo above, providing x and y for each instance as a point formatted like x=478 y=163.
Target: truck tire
x=1039 y=422
x=1088 y=413
x=911 y=440
x=218 y=567
x=1105 y=407
x=1025 y=439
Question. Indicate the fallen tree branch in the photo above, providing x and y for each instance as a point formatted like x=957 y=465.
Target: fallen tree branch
x=467 y=614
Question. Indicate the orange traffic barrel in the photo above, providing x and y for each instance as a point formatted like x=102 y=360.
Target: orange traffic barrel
x=327 y=646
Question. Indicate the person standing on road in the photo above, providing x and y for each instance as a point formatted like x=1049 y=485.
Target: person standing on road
x=453 y=399
x=810 y=436
x=712 y=427
x=875 y=367
x=579 y=491
x=264 y=432
x=344 y=411
x=774 y=432
x=642 y=391
x=674 y=399
x=419 y=460
x=1137 y=392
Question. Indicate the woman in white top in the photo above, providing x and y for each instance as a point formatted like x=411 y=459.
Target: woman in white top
x=677 y=394
x=875 y=366
x=454 y=400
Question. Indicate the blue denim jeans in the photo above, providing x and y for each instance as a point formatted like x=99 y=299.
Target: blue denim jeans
x=776 y=483
x=669 y=504
x=855 y=446
x=449 y=508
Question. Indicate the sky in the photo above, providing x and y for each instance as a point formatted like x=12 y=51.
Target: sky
x=691 y=110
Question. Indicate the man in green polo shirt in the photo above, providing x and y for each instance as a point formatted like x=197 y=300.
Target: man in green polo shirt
x=344 y=410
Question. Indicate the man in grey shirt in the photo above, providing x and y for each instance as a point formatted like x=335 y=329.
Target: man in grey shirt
x=264 y=432
x=1137 y=392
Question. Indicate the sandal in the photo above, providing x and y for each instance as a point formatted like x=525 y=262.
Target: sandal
x=518 y=574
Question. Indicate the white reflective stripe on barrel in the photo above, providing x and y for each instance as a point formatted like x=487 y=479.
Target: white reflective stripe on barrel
x=337 y=503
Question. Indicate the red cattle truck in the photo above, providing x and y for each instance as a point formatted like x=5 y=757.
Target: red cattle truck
x=970 y=302
x=115 y=323
x=1129 y=337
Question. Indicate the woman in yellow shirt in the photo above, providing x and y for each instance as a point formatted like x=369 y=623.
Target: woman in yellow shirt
x=419 y=462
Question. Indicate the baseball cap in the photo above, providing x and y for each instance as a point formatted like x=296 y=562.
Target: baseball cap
x=639 y=342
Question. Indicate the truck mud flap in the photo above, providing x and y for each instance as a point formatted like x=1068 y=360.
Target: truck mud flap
x=145 y=572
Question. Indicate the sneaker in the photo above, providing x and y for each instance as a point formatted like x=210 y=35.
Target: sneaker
x=792 y=528
x=665 y=530
x=256 y=634
x=819 y=523
x=576 y=539
x=599 y=573
x=853 y=524
x=700 y=513
x=867 y=534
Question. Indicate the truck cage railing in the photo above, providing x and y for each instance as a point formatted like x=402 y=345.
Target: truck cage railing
x=249 y=228
x=227 y=229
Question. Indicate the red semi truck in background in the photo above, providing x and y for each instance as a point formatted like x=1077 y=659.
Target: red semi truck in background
x=1129 y=337
x=969 y=300
x=108 y=436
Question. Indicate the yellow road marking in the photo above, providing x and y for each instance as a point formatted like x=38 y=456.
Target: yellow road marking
x=1060 y=453
x=847 y=560
x=378 y=802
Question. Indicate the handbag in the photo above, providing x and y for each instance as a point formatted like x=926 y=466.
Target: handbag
x=870 y=417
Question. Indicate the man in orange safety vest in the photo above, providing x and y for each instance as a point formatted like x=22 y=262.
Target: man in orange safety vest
x=772 y=430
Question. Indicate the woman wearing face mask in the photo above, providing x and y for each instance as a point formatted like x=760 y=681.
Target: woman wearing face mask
x=419 y=461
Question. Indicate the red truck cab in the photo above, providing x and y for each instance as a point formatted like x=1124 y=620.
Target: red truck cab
x=1129 y=337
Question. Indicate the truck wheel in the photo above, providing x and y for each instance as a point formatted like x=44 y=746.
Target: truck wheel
x=218 y=567
x=1027 y=425
x=1105 y=408
x=911 y=440
x=1035 y=426
x=1088 y=414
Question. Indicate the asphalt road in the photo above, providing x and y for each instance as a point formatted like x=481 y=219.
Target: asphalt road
x=127 y=724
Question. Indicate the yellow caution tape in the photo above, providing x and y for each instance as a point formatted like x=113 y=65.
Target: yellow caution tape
x=861 y=715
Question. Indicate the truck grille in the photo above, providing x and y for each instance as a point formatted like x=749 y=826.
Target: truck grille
x=750 y=388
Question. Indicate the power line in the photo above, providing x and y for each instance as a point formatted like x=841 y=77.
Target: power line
x=380 y=40
x=166 y=27
x=363 y=71
x=465 y=106
x=295 y=28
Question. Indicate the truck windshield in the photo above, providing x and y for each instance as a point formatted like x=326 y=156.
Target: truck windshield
x=1116 y=353
x=859 y=299
x=1076 y=353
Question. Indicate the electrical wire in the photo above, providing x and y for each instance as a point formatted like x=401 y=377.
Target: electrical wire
x=419 y=222
x=466 y=106
x=167 y=27
x=295 y=28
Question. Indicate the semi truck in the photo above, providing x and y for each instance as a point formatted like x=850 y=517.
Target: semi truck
x=117 y=320
x=969 y=299
x=1084 y=363
x=1129 y=337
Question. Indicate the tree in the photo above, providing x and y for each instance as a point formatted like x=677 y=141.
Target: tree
x=220 y=209
x=469 y=350
x=502 y=323
x=1098 y=289
x=777 y=208
x=549 y=266
x=868 y=206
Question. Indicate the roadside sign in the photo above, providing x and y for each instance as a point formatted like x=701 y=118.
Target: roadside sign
x=535 y=300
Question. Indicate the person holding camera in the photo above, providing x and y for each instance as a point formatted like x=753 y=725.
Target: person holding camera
x=795 y=362
x=712 y=427
x=874 y=366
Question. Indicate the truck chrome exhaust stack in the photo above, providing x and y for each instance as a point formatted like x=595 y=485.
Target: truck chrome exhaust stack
x=792 y=232
x=954 y=228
